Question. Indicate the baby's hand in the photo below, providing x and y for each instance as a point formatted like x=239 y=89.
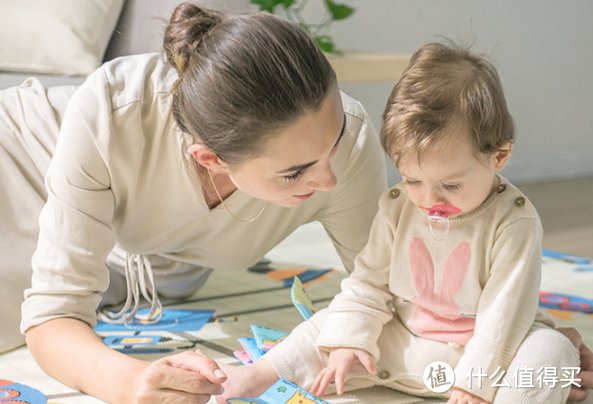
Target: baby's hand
x=459 y=396
x=340 y=360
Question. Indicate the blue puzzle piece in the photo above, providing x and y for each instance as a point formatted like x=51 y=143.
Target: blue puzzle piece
x=172 y=320
x=308 y=275
x=265 y=336
x=19 y=393
x=251 y=347
x=281 y=392
x=566 y=257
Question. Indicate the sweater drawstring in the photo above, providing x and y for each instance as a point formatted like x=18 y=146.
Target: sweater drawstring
x=139 y=280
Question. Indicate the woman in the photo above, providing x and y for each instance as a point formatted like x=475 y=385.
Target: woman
x=165 y=169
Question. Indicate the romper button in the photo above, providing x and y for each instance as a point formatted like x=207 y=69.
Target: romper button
x=520 y=201
x=394 y=193
x=383 y=375
x=501 y=188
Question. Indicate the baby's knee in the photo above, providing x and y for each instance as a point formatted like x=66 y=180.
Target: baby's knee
x=543 y=359
x=551 y=346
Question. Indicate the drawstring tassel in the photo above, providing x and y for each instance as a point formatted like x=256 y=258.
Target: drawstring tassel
x=139 y=278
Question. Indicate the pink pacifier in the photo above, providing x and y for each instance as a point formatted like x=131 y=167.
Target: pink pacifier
x=438 y=220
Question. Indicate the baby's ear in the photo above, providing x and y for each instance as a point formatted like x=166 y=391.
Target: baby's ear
x=501 y=158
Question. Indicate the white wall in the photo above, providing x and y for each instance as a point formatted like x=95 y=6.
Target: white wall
x=543 y=50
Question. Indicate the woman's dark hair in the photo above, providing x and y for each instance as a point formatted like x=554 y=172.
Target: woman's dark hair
x=242 y=77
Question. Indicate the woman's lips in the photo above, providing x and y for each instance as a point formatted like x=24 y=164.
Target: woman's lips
x=306 y=196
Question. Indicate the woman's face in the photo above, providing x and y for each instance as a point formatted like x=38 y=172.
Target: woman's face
x=296 y=163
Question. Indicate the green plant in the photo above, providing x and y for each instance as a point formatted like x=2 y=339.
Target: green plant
x=293 y=10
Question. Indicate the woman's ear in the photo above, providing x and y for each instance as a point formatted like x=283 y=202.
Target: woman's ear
x=501 y=158
x=206 y=157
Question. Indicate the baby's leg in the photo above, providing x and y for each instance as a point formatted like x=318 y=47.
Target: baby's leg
x=247 y=381
x=295 y=359
x=545 y=349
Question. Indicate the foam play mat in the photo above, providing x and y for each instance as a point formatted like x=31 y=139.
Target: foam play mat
x=233 y=302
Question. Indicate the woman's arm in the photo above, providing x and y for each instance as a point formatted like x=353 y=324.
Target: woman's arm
x=113 y=377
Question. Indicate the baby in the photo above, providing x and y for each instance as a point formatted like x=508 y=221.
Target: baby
x=451 y=271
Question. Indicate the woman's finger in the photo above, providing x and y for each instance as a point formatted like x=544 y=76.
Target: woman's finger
x=586 y=359
x=200 y=363
x=578 y=394
x=187 y=372
x=161 y=376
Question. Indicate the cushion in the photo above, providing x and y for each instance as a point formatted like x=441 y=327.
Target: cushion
x=56 y=36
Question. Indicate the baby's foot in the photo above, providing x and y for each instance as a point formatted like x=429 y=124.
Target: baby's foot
x=250 y=381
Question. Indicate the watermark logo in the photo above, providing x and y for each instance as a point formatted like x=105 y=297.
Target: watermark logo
x=439 y=377
x=527 y=377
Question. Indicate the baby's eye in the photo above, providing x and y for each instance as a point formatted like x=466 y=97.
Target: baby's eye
x=412 y=183
x=452 y=187
x=295 y=176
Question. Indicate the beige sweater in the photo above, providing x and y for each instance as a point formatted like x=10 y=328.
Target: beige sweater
x=117 y=178
x=479 y=287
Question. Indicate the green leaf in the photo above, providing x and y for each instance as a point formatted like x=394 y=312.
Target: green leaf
x=305 y=27
x=325 y=43
x=287 y=3
x=268 y=5
x=338 y=11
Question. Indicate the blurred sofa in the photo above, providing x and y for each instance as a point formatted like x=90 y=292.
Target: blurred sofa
x=62 y=41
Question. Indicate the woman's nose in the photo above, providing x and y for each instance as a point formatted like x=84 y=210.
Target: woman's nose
x=324 y=180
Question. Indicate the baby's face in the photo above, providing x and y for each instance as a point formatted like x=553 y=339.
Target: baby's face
x=452 y=175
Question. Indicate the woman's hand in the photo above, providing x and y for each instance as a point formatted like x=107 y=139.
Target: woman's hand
x=189 y=377
x=70 y=351
x=580 y=394
x=340 y=360
x=459 y=396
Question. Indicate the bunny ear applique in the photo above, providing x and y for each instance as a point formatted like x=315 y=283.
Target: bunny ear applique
x=423 y=277
x=422 y=267
x=454 y=271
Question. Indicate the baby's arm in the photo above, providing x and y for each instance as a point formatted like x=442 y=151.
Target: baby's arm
x=340 y=361
x=507 y=306
x=359 y=312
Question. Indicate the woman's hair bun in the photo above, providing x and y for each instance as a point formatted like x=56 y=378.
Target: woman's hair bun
x=187 y=27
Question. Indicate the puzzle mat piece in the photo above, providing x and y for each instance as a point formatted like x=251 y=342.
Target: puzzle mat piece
x=560 y=276
x=230 y=284
x=171 y=320
x=18 y=365
x=11 y=392
x=282 y=391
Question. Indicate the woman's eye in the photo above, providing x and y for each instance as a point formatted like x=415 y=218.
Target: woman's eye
x=452 y=187
x=294 y=176
x=412 y=183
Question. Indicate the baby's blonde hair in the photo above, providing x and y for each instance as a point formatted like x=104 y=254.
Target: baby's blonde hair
x=446 y=86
